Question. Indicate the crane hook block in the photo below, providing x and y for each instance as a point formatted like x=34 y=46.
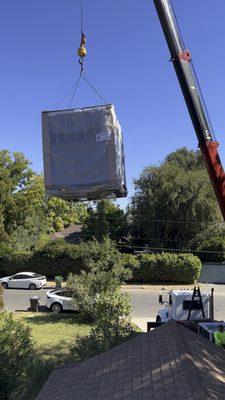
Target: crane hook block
x=82 y=51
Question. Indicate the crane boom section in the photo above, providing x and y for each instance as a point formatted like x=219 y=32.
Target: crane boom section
x=187 y=77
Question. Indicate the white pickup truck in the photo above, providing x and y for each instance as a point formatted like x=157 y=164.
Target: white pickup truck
x=177 y=303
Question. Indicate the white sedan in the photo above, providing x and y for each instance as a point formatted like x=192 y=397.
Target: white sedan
x=59 y=300
x=24 y=280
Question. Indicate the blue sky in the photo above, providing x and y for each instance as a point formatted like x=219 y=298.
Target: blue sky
x=127 y=61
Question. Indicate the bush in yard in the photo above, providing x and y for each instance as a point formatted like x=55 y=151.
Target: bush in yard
x=167 y=268
x=38 y=373
x=15 y=355
x=112 y=327
x=104 y=275
x=212 y=250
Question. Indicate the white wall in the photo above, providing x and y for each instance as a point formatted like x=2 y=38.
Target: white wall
x=212 y=273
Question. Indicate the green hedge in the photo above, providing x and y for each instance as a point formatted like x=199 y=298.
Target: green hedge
x=167 y=268
x=60 y=258
x=56 y=258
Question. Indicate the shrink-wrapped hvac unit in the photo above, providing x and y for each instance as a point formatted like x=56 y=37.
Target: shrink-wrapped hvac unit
x=83 y=154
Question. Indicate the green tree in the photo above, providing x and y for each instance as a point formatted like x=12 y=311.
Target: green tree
x=54 y=214
x=106 y=219
x=15 y=175
x=15 y=355
x=188 y=160
x=25 y=214
x=173 y=202
x=61 y=214
x=212 y=249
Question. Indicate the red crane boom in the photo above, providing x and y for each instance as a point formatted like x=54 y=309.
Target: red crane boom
x=187 y=77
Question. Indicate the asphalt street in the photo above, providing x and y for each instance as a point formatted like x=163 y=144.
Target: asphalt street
x=144 y=301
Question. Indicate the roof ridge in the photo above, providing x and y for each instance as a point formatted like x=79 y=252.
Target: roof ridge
x=191 y=369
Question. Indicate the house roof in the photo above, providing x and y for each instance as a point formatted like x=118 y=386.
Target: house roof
x=72 y=232
x=169 y=363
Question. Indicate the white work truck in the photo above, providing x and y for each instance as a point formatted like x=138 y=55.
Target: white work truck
x=176 y=305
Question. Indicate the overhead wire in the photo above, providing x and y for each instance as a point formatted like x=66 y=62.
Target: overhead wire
x=146 y=247
x=162 y=221
x=166 y=249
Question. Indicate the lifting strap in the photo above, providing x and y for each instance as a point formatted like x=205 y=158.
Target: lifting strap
x=82 y=53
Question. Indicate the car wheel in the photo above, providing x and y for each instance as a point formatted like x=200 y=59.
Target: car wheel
x=56 y=308
x=5 y=285
x=32 y=286
x=158 y=319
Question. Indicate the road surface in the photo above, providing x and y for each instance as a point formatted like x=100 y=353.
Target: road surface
x=144 y=302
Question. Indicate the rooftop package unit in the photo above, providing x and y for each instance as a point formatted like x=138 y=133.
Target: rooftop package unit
x=83 y=154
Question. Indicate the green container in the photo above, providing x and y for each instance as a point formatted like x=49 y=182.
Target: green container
x=58 y=281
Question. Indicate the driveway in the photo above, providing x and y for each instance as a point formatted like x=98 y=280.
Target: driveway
x=144 y=301
x=19 y=299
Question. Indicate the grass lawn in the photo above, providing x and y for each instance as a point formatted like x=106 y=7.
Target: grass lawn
x=54 y=335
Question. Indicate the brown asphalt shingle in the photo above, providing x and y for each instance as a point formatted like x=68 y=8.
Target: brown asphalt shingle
x=73 y=229
x=169 y=363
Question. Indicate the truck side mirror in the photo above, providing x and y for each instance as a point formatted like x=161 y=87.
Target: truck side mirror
x=160 y=299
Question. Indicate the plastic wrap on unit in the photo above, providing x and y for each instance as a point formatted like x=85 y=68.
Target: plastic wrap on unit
x=83 y=154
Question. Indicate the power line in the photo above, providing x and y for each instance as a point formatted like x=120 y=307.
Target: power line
x=138 y=219
x=147 y=247
x=170 y=250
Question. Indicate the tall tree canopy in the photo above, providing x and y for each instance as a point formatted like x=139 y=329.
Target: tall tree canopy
x=173 y=202
x=106 y=219
x=25 y=213
x=15 y=175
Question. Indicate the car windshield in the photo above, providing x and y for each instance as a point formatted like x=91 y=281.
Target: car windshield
x=64 y=293
x=37 y=276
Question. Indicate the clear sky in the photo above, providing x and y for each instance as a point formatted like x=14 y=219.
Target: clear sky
x=127 y=61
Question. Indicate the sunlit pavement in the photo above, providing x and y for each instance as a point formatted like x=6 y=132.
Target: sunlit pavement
x=144 y=301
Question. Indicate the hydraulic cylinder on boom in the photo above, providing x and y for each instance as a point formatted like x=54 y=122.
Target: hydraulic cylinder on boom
x=182 y=61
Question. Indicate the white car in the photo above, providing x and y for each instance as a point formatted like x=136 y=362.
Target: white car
x=59 y=300
x=24 y=280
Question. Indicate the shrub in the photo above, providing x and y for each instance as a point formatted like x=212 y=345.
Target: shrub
x=15 y=355
x=167 y=268
x=212 y=250
x=112 y=327
x=104 y=275
x=38 y=373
